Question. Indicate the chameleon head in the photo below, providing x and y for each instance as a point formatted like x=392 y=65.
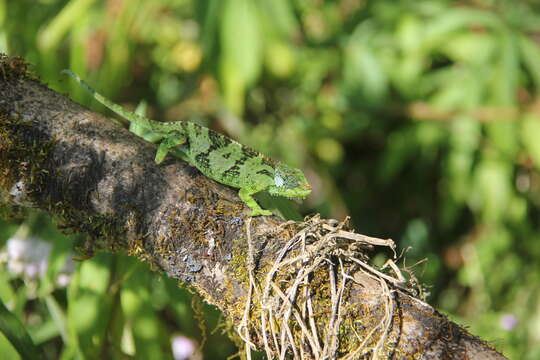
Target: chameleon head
x=289 y=182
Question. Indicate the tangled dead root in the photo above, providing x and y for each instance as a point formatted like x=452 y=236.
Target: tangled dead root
x=289 y=304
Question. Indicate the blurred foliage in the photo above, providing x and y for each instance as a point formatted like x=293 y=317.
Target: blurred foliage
x=420 y=119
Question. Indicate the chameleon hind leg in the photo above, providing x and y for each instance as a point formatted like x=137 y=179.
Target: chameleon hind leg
x=171 y=141
x=246 y=194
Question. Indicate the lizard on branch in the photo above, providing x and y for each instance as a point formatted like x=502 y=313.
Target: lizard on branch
x=216 y=156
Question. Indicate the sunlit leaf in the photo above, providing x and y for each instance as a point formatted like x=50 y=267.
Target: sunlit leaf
x=234 y=87
x=503 y=134
x=242 y=51
x=530 y=51
x=492 y=190
x=470 y=47
x=329 y=150
x=406 y=69
x=282 y=15
x=409 y=32
x=280 y=59
x=43 y=332
x=58 y=316
x=6 y=290
x=7 y=349
x=441 y=28
x=241 y=40
x=51 y=35
x=505 y=72
x=463 y=90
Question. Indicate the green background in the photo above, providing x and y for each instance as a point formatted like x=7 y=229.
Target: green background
x=419 y=119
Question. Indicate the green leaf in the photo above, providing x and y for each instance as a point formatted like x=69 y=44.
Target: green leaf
x=3 y=11
x=506 y=71
x=409 y=32
x=241 y=39
x=51 y=35
x=363 y=73
x=406 y=66
x=398 y=150
x=492 y=190
x=89 y=304
x=530 y=131
x=503 y=134
x=465 y=135
x=43 y=332
x=3 y=32
x=530 y=54
x=242 y=51
x=280 y=59
x=136 y=302
x=470 y=47
x=7 y=293
x=211 y=11
x=444 y=26
x=234 y=87
x=282 y=16
x=7 y=350
x=464 y=90
x=15 y=332
x=58 y=316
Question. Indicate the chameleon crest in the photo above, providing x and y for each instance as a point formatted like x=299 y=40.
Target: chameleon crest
x=216 y=156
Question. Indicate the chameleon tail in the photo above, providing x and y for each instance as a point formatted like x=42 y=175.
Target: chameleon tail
x=131 y=117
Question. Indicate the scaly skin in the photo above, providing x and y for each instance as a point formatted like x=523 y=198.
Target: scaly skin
x=217 y=156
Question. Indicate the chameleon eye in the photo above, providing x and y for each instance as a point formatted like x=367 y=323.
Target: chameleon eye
x=278 y=181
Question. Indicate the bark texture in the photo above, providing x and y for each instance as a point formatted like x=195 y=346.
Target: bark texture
x=99 y=179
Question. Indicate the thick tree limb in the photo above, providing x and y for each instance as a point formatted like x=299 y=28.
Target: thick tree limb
x=99 y=179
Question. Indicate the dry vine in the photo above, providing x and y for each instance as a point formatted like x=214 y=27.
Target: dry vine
x=286 y=304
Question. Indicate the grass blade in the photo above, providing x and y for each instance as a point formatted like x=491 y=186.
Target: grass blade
x=15 y=332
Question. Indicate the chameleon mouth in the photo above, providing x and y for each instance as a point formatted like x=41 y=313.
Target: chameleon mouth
x=306 y=188
x=299 y=192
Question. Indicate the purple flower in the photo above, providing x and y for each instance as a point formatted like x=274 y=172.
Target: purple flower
x=508 y=322
x=28 y=257
x=183 y=348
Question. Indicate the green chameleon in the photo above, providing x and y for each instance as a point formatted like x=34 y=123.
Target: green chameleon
x=217 y=156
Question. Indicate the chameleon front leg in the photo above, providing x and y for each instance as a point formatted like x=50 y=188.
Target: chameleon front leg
x=246 y=193
x=170 y=141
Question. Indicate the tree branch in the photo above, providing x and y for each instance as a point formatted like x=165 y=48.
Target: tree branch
x=296 y=290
